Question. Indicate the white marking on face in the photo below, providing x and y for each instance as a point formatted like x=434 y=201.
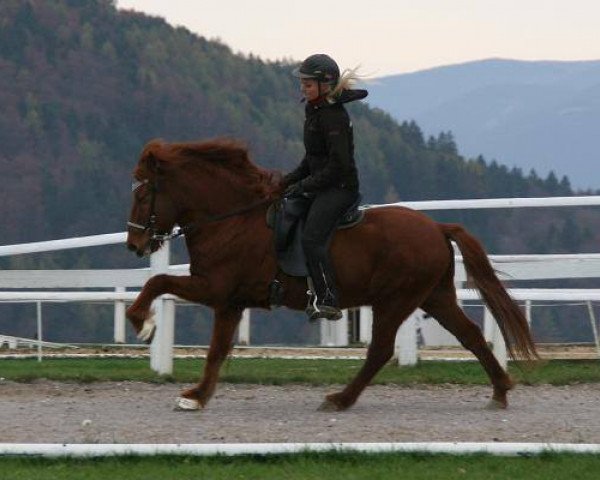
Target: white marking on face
x=137 y=184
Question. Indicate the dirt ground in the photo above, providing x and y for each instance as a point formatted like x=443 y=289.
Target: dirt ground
x=134 y=412
x=130 y=412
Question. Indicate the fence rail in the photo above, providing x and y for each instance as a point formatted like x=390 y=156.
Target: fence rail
x=88 y=450
x=511 y=267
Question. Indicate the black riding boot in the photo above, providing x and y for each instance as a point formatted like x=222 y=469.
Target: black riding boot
x=325 y=211
x=323 y=302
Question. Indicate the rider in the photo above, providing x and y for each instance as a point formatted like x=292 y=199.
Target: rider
x=327 y=174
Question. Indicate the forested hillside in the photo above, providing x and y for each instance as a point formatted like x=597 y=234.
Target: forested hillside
x=84 y=86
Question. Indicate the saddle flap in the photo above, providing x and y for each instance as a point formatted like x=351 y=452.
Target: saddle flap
x=286 y=218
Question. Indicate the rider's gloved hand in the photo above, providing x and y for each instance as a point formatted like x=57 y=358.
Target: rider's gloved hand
x=294 y=190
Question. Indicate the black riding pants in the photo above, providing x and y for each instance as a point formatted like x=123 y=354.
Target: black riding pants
x=325 y=212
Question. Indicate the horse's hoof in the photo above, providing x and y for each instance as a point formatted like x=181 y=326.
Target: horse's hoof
x=334 y=403
x=328 y=406
x=494 y=404
x=146 y=334
x=183 y=404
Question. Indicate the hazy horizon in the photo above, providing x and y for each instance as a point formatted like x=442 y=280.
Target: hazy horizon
x=388 y=37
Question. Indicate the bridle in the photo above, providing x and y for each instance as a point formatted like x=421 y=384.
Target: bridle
x=150 y=225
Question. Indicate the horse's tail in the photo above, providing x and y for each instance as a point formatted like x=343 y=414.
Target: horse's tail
x=508 y=315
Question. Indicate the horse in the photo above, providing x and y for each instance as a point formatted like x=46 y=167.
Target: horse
x=396 y=260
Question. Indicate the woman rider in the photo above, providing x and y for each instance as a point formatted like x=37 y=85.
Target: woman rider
x=327 y=174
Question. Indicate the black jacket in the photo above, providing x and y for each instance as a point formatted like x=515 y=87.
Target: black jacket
x=328 y=139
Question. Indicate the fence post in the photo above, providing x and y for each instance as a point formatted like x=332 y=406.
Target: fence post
x=405 y=345
x=365 y=325
x=161 y=349
x=496 y=338
x=593 y=324
x=39 y=331
x=334 y=333
x=244 y=328
x=528 y=312
x=488 y=324
x=119 y=322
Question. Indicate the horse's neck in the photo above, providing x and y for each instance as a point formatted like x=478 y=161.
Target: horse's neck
x=220 y=242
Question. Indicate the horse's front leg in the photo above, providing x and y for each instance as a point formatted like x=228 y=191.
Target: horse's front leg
x=226 y=321
x=192 y=288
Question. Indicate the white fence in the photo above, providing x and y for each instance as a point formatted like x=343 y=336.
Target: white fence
x=517 y=267
x=90 y=450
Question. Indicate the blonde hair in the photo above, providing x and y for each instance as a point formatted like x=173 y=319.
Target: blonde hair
x=347 y=80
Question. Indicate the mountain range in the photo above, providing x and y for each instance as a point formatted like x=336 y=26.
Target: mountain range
x=541 y=115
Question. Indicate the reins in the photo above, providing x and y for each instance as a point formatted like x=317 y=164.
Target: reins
x=181 y=230
x=216 y=218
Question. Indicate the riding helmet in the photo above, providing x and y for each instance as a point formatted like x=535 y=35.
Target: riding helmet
x=321 y=67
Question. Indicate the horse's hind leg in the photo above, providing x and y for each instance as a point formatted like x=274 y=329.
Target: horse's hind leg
x=442 y=305
x=386 y=321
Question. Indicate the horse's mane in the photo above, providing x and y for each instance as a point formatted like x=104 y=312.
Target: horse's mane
x=226 y=153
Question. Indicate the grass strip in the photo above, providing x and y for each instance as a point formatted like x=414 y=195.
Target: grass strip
x=289 y=371
x=308 y=466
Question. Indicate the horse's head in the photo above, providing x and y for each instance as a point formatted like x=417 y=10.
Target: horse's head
x=153 y=214
x=192 y=184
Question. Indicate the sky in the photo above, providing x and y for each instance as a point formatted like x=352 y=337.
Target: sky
x=385 y=37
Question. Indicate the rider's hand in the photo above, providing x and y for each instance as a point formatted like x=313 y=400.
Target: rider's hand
x=294 y=190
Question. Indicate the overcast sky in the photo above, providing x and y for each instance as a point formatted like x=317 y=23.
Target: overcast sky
x=392 y=36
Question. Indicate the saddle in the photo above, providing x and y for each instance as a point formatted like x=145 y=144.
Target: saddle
x=286 y=218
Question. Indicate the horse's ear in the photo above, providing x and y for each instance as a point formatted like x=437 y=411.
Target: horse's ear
x=151 y=156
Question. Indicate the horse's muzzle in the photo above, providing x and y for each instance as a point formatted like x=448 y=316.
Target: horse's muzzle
x=133 y=248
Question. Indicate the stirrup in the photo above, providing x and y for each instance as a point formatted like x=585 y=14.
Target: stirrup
x=327 y=312
x=314 y=310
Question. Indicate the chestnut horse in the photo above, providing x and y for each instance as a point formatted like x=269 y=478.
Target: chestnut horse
x=395 y=260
